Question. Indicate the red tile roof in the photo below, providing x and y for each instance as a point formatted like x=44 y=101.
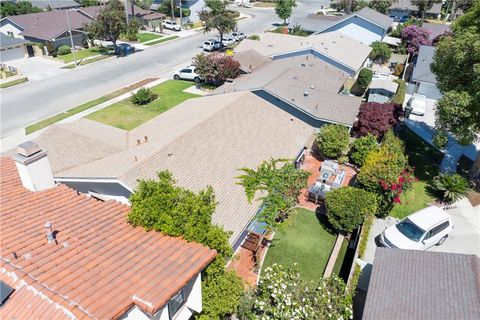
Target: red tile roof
x=100 y=267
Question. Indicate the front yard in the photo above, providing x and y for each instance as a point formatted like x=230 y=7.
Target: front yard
x=85 y=53
x=125 y=115
x=302 y=240
x=144 y=37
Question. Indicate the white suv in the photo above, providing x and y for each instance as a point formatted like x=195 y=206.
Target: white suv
x=211 y=45
x=187 y=73
x=228 y=41
x=419 y=231
x=172 y=25
x=239 y=36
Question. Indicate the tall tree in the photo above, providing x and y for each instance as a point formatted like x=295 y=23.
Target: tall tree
x=380 y=5
x=217 y=17
x=424 y=5
x=348 y=6
x=284 y=9
x=413 y=37
x=163 y=206
x=110 y=23
x=21 y=7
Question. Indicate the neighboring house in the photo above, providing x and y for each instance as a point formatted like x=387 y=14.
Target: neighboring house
x=365 y=26
x=422 y=76
x=335 y=48
x=401 y=9
x=202 y=141
x=12 y=48
x=250 y=60
x=195 y=7
x=313 y=22
x=412 y=284
x=303 y=85
x=436 y=30
x=71 y=256
x=54 y=4
x=381 y=91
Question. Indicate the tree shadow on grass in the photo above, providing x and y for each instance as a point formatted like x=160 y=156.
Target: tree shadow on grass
x=321 y=214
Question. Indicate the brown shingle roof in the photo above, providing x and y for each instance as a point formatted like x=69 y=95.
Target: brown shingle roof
x=101 y=265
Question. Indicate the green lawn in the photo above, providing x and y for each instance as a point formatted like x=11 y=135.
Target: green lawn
x=85 y=53
x=161 y=40
x=417 y=198
x=125 y=115
x=84 y=62
x=144 y=37
x=13 y=83
x=303 y=240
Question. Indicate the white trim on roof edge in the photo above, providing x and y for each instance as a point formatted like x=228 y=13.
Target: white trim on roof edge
x=355 y=14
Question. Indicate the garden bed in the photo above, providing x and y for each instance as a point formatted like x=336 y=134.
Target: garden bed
x=303 y=240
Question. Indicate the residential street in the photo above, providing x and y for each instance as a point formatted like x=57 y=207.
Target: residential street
x=26 y=104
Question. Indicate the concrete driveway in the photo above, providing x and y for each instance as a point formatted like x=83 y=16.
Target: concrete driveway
x=38 y=68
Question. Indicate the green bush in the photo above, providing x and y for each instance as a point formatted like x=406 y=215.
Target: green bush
x=143 y=96
x=254 y=37
x=398 y=69
x=399 y=97
x=450 y=187
x=380 y=51
x=347 y=207
x=440 y=139
x=361 y=147
x=332 y=140
x=63 y=50
x=364 y=78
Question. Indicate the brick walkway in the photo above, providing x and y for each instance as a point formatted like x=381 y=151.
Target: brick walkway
x=244 y=264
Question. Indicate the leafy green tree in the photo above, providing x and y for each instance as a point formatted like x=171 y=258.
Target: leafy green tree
x=131 y=32
x=284 y=9
x=451 y=187
x=144 y=4
x=279 y=183
x=163 y=206
x=380 y=51
x=424 y=5
x=361 y=147
x=380 y=5
x=347 y=207
x=13 y=9
x=88 y=3
x=364 y=77
x=282 y=294
x=348 y=6
x=332 y=140
x=215 y=16
x=110 y=23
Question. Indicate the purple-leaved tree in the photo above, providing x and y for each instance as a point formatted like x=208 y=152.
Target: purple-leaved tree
x=413 y=37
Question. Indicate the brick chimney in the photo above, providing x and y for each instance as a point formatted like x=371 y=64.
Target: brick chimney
x=33 y=166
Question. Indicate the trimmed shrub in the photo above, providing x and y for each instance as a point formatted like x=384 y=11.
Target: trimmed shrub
x=450 y=187
x=143 y=96
x=63 y=50
x=332 y=140
x=254 y=37
x=440 y=139
x=381 y=52
x=399 y=97
x=398 y=69
x=347 y=207
x=377 y=118
x=361 y=147
x=364 y=77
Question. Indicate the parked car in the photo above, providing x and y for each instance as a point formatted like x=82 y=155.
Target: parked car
x=228 y=41
x=125 y=49
x=187 y=73
x=172 y=25
x=417 y=104
x=211 y=45
x=239 y=36
x=419 y=231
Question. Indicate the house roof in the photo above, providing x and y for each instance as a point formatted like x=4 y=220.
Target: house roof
x=408 y=6
x=384 y=84
x=250 y=60
x=6 y=41
x=413 y=284
x=54 y=4
x=421 y=69
x=204 y=141
x=49 y=24
x=100 y=267
x=94 y=11
x=313 y=22
x=436 y=29
x=334 y=45
x=306 y=82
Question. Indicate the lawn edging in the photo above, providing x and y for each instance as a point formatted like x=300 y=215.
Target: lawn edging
x=161 y=40
x=332 y=259
x=13 y=83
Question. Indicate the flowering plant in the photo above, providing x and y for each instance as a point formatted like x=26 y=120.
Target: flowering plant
x=393 y=190
x=413 y=37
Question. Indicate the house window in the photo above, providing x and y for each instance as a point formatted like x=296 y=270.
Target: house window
x=10 y=33
x=176 y=303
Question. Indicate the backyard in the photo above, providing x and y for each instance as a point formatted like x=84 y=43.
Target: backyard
x=126 y=115
x=303 y=240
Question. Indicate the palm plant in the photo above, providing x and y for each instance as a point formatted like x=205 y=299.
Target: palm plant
x=451 y=187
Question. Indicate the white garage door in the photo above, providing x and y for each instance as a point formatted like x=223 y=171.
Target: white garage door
x=12 y=54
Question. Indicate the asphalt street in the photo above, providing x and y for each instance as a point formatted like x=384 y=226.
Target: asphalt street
x=26 y=104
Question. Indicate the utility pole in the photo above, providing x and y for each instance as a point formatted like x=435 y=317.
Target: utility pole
x=71 y=38
x=126 y=11
x=173 y=10
x=181 y=21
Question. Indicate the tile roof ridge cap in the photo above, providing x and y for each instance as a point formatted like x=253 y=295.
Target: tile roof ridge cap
x=38 y=288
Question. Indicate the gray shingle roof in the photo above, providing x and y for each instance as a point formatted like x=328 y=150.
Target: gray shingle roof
x=376 y=17
x=436 y=29
x=54 y=4
x=407 y=5
x=250 y=60
x=421 y=70
x=306 y=82
x=410 y=284
x=314 y=23
x=6 y=41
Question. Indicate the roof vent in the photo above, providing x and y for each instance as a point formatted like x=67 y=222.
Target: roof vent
x=305 y=93
x=312 y=86
x=28 y=149
x=50 y=236
x=302 y=64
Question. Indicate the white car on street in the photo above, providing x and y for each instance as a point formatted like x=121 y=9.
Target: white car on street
x=211 y=45
x=172 y=25
x=228 y=41
x=239 y=36
x=419 y=231
x=187 y=73
x=417 y=104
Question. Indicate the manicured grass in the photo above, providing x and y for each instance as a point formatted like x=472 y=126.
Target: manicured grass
x=84 y=62
x=161 y=40
x=125 y=115
x=264 y=4
x=417 y=198
x=303 y=240
x=85 y=53
x=341 y=256
x=144 y=37
x=13 y=83
x=56 y=118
